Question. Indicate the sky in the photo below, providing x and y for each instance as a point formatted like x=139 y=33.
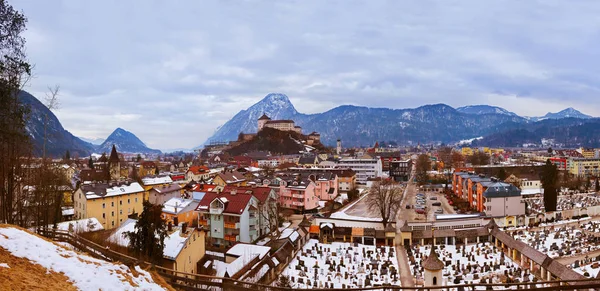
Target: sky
x=171 y=72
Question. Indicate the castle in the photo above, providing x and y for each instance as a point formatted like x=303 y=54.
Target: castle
x=283 y=125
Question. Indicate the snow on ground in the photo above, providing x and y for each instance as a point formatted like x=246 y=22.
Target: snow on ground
x=342 y=213
x=343 y=265
x=85 y=272
x=4 y=265
x=82 y=225
x=467 y=264
x=558 y=241
x=589 y=269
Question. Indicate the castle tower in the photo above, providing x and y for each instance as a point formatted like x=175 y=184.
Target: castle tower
x=262 y=121
x=114 y=164
x=433 y=269
x=338 y=148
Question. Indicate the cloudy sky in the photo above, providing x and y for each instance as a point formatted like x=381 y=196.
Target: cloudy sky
x=173 y=71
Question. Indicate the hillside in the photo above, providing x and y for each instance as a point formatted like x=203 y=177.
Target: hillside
x=274 y=141
x=29 y=262
x=59 y=140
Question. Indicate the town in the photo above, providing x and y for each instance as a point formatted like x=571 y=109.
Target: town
x=336 y=217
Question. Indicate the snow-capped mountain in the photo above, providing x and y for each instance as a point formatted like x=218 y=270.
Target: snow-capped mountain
x=59 y=140
x=126 y=142
x=566 y=113
x=274 y=105
x=484 y=109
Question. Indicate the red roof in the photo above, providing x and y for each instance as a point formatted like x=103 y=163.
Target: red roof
x=235 y=204
x=203 y=187
x=198 y=169
x=261 y=193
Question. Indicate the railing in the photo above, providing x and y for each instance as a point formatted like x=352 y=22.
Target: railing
x=232 y=225
x=188 y=281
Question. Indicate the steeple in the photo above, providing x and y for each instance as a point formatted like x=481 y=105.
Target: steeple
x=433 y=266
x=114 y=156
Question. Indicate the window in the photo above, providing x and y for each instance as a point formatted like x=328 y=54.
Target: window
x=128 y=201
x=135 y=199
x=103 y=205
x=112 y=204
x=113 y=213
x=103 y=215
x=120 y=202
x=113 y=223
x=121 y=212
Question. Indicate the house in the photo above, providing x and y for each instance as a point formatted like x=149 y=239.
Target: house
x=400 y=170
x=152 y=181
x=184 y=246
x=267 y=208
x=110 y=203
x=147 y=168
x=197 y=173
x=298 y=194
x=503 y=200
x=179 y=210
x=231 y=217
x=309 y=161
x=364 y=168
x=229 y=177
x=160 y=194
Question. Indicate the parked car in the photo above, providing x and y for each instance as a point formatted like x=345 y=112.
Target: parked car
x=439 y=211
x=436 y=203
x=407 y=206
x=432 y=198
x=420 y=195
x=420 y=211
x=419 y=207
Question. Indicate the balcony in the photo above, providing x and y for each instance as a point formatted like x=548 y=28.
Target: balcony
x=232 y=225
x=298 y=196
x=232 y=238
x=295 y=203
x=252 y=221
x=216 y=210
x=253 y=232
x=203 y=222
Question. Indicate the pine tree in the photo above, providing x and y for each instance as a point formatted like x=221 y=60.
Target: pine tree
x=148 y=238
x=67 y=156
x=549 y=179
x=91 y=163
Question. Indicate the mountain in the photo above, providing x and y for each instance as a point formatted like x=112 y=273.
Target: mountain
x=484 y=109
x=567 y=113
x=94 y=141
x=58 y=140
x=126 y=142
x=275 y=105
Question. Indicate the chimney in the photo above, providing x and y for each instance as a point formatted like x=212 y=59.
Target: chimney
x=176 y=220
x=170 y=226
x=184 y=227
x=176 y=204
x=233 y=192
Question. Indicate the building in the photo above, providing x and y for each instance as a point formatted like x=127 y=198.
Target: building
x=230 y=216
x=231 y=178
x=114 y=164
x=110 y=203
x=387 y=158
x=561 y=163
x=503 y=200
x=400 y=170
x=184 y=246
x=364 y=168
x=283 y=125
x=298 y=193
x=584 y=168
x=197 y=173
x=179 y=210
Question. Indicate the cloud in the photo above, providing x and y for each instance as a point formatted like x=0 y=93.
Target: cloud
x=173 y=72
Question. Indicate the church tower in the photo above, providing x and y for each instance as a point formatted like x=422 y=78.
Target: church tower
x=114 y=164
x=338 y=148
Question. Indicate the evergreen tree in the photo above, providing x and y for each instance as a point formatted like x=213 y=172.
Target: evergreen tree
x=148 y=238
x=502 y=174
x=549 y=177
x=67 y=156
x=597 y=184
x=138 y=158
x=91 y=163
x=423 y=165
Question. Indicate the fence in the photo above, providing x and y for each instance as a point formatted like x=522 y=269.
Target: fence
x=194 y=282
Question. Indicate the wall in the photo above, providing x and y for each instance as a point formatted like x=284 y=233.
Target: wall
x=116 y=208
x=245 y=225
x=191 y=253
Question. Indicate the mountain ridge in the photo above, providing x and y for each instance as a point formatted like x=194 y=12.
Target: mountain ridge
x=126 y=142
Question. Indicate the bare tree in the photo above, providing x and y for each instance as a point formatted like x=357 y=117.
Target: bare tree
x=385 y=196
x=52 y=104
x=270 y=217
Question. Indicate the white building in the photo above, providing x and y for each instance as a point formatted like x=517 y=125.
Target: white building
x=503 y=199
x=364 y=168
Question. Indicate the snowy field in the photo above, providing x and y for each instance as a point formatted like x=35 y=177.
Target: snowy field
x=86 y=273
x=559 y=241
x=343 y=265
x=469 y=264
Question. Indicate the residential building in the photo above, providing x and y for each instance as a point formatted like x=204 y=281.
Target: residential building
x=387 y=158
x=184 y=246
x=229 y=177
x=298 y=194
x=231 y=217
x=179 y=210
x=267 y=208
x=346 y=178
x=502 y=200
x=584 y=168
x=364 y=168
x=110 y=203
x=160 y=194
x=561 y=163
x=400 y=170
x=197 y=173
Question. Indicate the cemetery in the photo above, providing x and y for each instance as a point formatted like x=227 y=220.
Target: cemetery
x=469 y=264
x=343 y=265
x=562 y=240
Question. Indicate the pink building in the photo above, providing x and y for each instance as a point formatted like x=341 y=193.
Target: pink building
x=298 y=194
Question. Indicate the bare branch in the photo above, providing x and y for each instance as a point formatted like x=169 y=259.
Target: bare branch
x=52 y=98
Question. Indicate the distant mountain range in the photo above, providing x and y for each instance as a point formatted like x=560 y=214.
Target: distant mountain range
x=94 y=141
x=438 y=123
x=59 y=140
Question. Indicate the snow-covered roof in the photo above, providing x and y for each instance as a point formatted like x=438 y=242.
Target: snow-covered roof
x=157 y=180
x=290 y=233
x=240 y=249
x=531 y=191
x=68 y=211
x=82 y=225
x=176 y=205
x=455 y=216
x=239 y=263
x=94 y=193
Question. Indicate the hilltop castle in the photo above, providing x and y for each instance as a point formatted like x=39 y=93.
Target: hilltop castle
x=283 y=125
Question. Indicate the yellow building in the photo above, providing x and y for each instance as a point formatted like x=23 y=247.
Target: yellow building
x=155 y=182
x=232 y=178
x=467 y=151
x=587 y=153
x=109 y=203
x=583 y=167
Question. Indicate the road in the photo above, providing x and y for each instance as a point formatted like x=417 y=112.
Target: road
x=403 y=214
